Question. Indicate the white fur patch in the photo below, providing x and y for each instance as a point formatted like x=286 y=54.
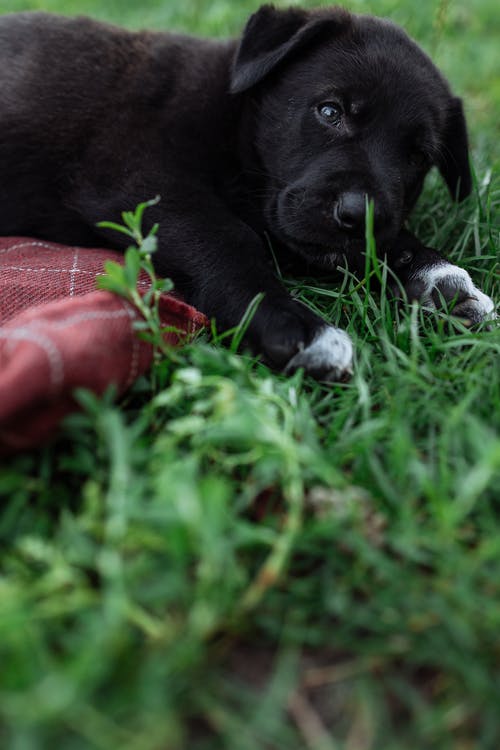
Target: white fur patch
x=328 y=356
x=453 y=281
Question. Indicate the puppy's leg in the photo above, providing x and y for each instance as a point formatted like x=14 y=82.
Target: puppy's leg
x=223 y=282
x=293 y=336
x=428 y=277
x=327 y=357
x=436 y=282
x=219 y=265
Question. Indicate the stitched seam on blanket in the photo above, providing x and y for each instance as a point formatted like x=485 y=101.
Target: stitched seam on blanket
x=134 y=361
x=81 y=318
x=29 y=243
x=73 y=272
x=51 y=270
x=46 y=345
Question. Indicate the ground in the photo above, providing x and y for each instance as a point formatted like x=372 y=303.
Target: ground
x=233 y=559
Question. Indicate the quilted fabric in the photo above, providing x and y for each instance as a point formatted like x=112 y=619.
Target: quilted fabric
x=57 y=333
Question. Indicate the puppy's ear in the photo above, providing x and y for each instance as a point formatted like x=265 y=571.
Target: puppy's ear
x=454 y=161
x=271 y=35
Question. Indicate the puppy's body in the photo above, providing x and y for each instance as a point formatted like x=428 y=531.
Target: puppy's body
x=89 y=112
x=285 y=131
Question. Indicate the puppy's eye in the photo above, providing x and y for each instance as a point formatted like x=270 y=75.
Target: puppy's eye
x=330 y=112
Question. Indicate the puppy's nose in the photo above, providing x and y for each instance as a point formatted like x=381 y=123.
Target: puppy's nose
x=349 y=211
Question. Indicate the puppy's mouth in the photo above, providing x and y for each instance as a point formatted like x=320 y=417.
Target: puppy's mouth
x=314 y=235
x=325 y=252
x=326 y=256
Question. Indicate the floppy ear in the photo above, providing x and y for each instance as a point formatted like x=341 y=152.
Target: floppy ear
x=271 y=35
x=454 y=162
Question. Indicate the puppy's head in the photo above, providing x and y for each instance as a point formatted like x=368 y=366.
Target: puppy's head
x=345 y=108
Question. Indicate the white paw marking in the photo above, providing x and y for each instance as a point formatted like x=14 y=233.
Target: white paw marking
x=453 y=281
x=328 y=356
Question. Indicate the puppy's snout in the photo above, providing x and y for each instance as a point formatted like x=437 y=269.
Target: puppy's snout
x=349 y=211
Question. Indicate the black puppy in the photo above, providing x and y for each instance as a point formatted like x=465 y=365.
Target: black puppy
x=286 y=131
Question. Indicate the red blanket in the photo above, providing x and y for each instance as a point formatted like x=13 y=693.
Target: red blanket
x=57 y=333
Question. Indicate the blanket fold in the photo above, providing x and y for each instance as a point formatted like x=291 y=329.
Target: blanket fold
x=57 y=333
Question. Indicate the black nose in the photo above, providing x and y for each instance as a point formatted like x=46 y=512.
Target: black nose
x=349 y=211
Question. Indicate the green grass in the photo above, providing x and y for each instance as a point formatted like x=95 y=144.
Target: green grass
x=242 y=561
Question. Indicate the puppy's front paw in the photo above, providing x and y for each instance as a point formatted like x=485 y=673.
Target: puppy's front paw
x=432 y=284
x=327 y=357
